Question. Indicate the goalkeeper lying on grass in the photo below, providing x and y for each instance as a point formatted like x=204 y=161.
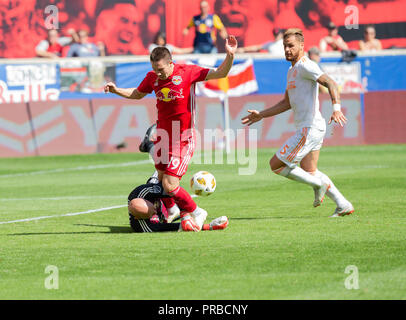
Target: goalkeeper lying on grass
x=148 y=213
x=146 y=203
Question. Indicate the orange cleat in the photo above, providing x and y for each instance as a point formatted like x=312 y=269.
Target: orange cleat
x=219 y=223
x=187 y=223
x=345 y=211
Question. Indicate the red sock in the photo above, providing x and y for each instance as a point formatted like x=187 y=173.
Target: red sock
x=168 y=202
x=183 y=199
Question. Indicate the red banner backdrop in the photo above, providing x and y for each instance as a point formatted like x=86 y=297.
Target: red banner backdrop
x=63 y=127
x=119 y=121
x=103 y=125
x=129 y=26
x=385 y=117
x=253 y=22
x=16 y=136
x=124 y=26
x=272 y=132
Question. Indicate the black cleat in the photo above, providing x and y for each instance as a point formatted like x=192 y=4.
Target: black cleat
x=147 y=143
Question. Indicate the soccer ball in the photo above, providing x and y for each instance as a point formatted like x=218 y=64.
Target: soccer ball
x=203 y=183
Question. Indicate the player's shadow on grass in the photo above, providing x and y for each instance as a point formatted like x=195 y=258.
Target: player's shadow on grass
x=113 y=229
x=272 y=218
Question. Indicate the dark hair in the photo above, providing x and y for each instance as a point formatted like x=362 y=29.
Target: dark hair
x=160 y=53
x=331 y=26
x=369 y=26
x=160 y=34
x=277 y=31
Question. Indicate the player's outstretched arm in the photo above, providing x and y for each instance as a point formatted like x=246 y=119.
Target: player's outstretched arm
x=332 y=87
x=129 y=93
x=255 y=115
x=254 y=48
x=223 y=70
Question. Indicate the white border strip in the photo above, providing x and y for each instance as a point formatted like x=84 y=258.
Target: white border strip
x=64 y=198
x=71 y=214
x=65 y=214
x=94 y=167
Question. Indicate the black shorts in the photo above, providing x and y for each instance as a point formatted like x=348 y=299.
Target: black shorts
x=149 y=191
x=145 y=225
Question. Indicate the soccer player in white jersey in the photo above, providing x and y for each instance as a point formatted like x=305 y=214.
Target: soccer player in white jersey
x=301 y=95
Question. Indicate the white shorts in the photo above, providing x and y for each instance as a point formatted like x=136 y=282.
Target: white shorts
x=300 y=144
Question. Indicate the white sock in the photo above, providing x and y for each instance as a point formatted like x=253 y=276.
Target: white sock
x=333 y=193
x=299 y=175
x=173 y=210
x=196 y=212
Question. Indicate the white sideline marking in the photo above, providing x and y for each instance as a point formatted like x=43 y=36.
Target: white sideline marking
x=101 y=166
x=65 y=214
x=64 y=198
x=70 y=198
x=70 y=214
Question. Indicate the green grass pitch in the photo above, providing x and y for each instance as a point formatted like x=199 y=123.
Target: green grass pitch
x=277 y=246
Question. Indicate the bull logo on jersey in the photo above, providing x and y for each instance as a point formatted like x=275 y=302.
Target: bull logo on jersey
x=167 y=94
x=177 y=80
x=203 y=28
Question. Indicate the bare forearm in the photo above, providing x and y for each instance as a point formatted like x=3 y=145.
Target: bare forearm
x=126 y=92
x=278 y=108
x=223 y=33
x=255 y=116
x=46 y=54
x=331 y=86
x=251 y=48
x=342 y=45
x=129 y=93
x=223 y=70
x=334 y=94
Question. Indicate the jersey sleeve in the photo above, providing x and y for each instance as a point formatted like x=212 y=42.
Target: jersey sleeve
x=42 y=46
x=311 y=70
x=146 y=84
x=72 y=50
x=217 y=22
x=197 y=73
x=267 y=45
x=191 y=23
x=64 y=41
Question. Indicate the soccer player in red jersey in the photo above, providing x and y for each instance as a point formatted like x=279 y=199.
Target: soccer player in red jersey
x=174 y=87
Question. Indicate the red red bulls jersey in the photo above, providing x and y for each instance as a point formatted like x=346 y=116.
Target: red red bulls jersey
x=175 y=95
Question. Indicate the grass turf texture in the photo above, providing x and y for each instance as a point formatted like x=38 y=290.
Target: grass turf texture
x=277 y=245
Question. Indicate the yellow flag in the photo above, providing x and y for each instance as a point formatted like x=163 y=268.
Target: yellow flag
x=224 y=84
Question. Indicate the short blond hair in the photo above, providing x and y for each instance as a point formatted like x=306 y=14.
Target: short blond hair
x=298 y=33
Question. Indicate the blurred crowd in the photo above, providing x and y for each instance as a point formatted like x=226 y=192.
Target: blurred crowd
x=208 y=27
x=77 y=44
x=91 y=27
x=130 y=27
